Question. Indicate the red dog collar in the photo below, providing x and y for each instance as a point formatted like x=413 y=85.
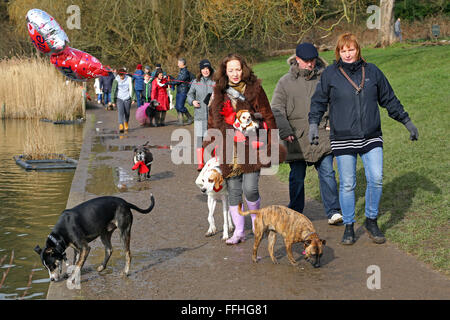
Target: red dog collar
x=217 y=190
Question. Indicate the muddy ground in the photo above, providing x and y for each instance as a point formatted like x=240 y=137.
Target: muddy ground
x=172 y=258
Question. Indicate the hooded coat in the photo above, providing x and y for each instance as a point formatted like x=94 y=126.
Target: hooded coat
x=291 y=102
x=255 y=102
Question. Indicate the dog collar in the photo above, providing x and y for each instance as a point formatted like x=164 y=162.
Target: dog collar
x=218 y=189
x=60 y=245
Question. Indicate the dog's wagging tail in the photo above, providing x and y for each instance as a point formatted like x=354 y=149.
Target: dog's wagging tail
x=144 y=211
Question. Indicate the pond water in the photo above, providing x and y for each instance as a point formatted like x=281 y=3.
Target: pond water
x=30 y=204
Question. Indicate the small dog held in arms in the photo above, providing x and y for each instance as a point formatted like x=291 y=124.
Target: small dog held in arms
x=82 y=224
x=142 y=160
x=210 y=181
x=244 y=122
x=293 y=226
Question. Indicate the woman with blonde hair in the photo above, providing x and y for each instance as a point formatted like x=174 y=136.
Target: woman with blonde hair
x=352 y=89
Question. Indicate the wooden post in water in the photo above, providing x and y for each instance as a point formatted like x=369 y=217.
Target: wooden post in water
x=3 y=110
x=84 y=100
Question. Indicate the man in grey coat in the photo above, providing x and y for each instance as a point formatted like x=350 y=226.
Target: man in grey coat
x=290 y=106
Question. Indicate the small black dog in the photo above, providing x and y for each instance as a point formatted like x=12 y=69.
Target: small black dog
x=151 y=111
x=143 y=160
x=82 y=224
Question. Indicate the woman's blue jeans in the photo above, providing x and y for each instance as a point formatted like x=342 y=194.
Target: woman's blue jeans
x=373 y=168
x=327 y=185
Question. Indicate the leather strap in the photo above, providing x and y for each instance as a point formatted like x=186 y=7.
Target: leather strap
x=361 y=86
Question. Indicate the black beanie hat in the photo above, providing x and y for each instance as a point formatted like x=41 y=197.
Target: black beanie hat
x=205 y=63
x=306 y=51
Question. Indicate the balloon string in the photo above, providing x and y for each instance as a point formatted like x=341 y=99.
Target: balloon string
x=108 y=69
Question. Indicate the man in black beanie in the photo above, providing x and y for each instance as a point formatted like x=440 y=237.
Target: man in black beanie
x=290 y=105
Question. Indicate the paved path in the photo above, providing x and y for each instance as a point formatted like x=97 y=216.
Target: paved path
x=172 y=259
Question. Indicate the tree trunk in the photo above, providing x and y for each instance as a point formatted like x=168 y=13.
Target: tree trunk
x=386 y=32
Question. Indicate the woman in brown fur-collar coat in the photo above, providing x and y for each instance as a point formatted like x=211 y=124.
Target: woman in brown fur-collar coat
x=242 y=152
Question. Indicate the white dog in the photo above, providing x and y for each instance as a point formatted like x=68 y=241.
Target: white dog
x=210 y=181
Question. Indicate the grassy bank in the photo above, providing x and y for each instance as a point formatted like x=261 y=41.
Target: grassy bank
x=414 y=209
x=33 y=88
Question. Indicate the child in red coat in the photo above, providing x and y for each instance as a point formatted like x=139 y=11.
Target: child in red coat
x=159 y=93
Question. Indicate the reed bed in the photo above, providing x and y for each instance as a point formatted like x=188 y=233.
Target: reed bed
x=38 y=144
x=33 y=88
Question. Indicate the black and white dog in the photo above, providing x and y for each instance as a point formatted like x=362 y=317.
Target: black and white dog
x=82 y=224
x=143 y=160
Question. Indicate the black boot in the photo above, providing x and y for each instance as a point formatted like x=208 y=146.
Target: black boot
x=190 y=119
x=158 y=118
x=349 y=235
x=162 y=122
x=180 y=119
x=374 y=232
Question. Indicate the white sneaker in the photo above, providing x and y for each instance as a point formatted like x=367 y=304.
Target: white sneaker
x=335 y=219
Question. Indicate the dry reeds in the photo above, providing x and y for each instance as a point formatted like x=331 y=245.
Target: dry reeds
x=38 y=144
x=33 y=88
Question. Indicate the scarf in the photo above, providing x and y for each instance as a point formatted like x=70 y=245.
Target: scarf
x=240 y=86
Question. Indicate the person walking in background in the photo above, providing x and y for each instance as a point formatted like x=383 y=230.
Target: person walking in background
x=398 y=30
x=290 y=105
x=182 y=82
x=98 y=90
x=138 y=78
x=352 y=89
x=159 y=93
x=122 y=95
x=236 y=89
x=147 y=70
x=198 y=96
x=106 y=86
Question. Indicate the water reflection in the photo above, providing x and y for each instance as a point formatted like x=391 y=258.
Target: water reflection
x=30 y=204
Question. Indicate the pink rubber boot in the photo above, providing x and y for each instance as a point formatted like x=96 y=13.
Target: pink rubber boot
x=238 y=220
x=253 y=206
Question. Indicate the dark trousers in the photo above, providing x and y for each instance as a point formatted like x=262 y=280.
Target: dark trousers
x=179 y=102
x=327 y=185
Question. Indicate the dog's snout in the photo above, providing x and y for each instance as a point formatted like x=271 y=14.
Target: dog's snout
x=203 y=190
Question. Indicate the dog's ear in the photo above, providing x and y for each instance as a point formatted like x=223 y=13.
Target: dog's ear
x=307 y=243
x=324 y=242
x=219 y=180
x=38 y=250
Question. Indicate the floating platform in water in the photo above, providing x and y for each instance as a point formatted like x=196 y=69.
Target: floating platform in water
x=47 y=164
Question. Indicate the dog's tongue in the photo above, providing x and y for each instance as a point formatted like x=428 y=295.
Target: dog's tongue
x=304 y=252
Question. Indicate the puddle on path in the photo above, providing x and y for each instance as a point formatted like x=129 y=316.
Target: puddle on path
x=107 y=180
x=100 y=145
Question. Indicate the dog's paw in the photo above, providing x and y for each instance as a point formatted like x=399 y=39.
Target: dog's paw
x=256 y=259
x=225 y=237
x=100 y=268
x=210 y=233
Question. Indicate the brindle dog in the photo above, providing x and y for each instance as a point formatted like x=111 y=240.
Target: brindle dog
x=293 y=226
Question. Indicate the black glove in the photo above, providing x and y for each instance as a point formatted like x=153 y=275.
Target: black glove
x=412 y=130
x=314 y=134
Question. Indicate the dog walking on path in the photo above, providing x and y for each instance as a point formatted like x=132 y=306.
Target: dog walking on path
x=293 y=226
